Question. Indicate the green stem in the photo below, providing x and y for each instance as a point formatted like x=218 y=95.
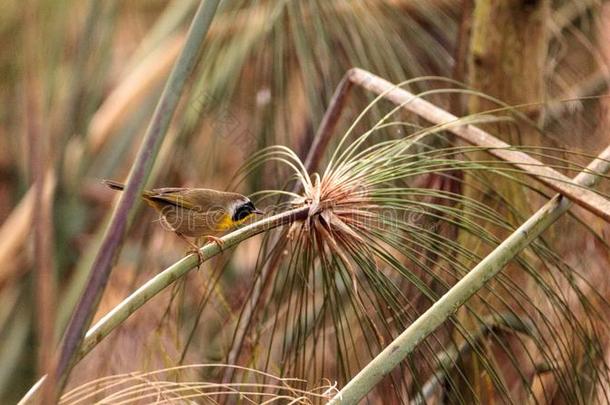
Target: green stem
x=469 y=285
x=166 y=278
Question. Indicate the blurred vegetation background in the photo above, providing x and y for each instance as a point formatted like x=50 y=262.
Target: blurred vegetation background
x=79 y=82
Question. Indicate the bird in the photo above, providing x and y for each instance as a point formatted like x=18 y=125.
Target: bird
x=196 y=212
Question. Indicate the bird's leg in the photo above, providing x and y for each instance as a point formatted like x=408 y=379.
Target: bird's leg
x=194 y=247
x=216 y=240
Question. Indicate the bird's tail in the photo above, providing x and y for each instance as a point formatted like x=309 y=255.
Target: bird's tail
x=115 y=185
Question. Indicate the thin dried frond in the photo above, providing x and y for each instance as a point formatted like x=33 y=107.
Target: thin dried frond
x=376 y=250
x=181 y=384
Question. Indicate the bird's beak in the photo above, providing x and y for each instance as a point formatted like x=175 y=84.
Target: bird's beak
x=258 y=212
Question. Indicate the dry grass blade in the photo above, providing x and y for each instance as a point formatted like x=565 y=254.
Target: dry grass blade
x=162 y=386
x=39 y=160
x=130 y=93
x=16 y=228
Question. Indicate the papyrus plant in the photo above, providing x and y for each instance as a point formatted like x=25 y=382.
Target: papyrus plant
x=362 y=248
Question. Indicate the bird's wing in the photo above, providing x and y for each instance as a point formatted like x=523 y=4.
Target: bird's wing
x=171 y=195
x=201 y=200
x=211 y=199
x=168 y=190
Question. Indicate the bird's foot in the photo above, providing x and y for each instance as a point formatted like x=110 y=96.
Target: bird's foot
x=193 y=250
x=200 y=258
x=216 y=240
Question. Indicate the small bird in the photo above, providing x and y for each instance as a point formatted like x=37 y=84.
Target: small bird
x=196 y=212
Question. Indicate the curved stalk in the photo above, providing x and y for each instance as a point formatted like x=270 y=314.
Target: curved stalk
x=166 y=278
x=469 y=285
x=555 y=180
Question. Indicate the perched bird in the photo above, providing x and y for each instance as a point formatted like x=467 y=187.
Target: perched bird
x=196 y=212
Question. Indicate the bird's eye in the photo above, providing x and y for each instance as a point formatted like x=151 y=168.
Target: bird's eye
x=243 y=211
